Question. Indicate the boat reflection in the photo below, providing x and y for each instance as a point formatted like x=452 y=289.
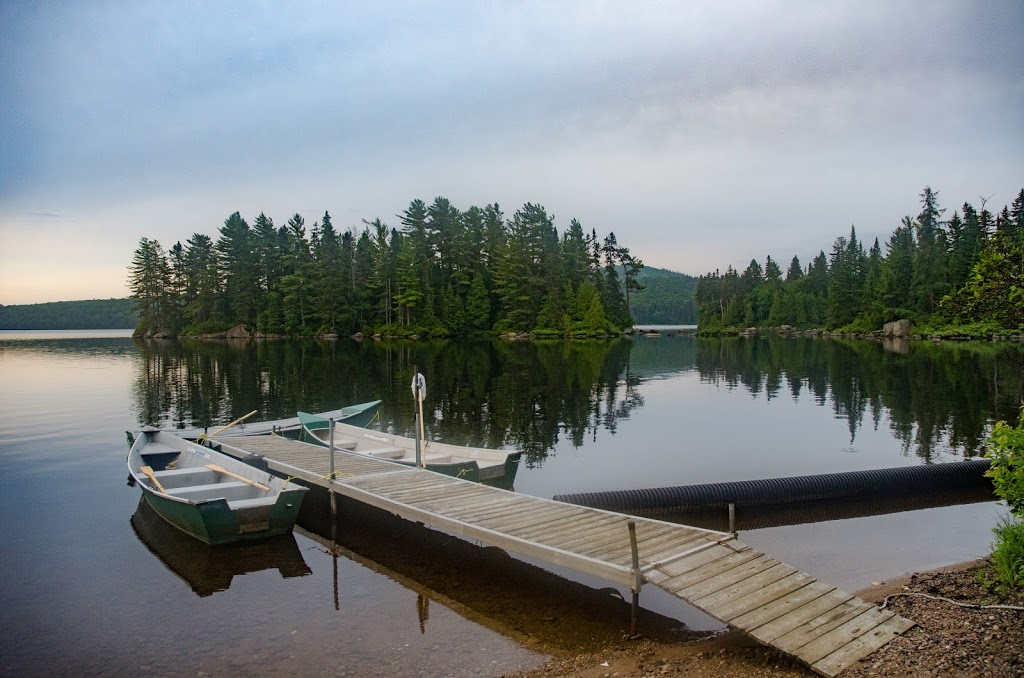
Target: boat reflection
x=209 y=569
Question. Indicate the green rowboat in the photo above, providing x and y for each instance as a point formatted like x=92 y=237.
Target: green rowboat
x=210 y=496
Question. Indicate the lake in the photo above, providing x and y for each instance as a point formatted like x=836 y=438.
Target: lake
x=93 y=583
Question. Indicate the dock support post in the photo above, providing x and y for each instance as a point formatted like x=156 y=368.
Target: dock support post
x=732 y=518
x=637 y=581
x=330 y=480
x=417 y=396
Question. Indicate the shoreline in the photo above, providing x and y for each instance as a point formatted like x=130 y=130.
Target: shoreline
x=876 y=593
x=947 y=639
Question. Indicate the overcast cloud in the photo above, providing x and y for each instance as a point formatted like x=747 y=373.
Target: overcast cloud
x=702 y=134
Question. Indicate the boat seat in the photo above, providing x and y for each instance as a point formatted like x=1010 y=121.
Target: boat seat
x=186 y=477
x=387 y=453
x=158 y=448
x=253 y=503
x=232 y=489
x=344 y=443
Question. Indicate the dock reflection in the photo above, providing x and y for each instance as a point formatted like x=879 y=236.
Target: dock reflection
x=209 y=569
x=536 y=607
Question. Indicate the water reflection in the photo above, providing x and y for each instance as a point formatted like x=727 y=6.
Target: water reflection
x=531 y=395
x=532 y=605
x=522 y=395
x=931 y=394
x=209 y=569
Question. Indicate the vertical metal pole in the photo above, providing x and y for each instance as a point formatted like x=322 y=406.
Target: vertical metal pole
x=330 y=479
x=637 y=582
x=416 y=413
x=732 y=518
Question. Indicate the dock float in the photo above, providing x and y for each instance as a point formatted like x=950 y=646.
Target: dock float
x=818 y=624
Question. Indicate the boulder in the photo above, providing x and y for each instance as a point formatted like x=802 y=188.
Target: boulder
x=896 y=328
x=238 y=332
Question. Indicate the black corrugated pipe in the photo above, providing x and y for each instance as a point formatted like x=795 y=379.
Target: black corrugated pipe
x=887 y=482
x=800 y=512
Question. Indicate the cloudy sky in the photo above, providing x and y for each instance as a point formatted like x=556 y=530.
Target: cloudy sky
x=702 y=133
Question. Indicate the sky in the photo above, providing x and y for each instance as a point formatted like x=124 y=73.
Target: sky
x=703 y=134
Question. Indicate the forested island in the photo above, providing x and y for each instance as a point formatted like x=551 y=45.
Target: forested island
x=961 y=277
x=445 y=272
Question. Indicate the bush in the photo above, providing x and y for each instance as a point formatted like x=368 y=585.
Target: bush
x=1008 y=555
x=1006 y=451
x=978 y=330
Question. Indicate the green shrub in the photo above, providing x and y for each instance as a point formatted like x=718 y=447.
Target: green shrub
x=1006 y=451
x=1008 y=555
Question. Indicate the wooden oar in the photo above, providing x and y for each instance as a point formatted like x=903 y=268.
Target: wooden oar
x=221 y=469
x=148 y=470
x=225 y=428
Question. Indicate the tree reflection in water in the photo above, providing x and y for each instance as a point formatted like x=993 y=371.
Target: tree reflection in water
x=530 y=394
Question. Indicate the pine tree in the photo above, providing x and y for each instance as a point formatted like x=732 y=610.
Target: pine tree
x=519 y=275
x=846 y=275
x=478 y=305
x=147 y=279
x=612 y=297
x=266 y=243
x=898 y=271
x=929 y=281
x=237 y=270
x=795 y=271
x=330 y=293
x=1017 y=215
x=297 y=281
x=382 y=276
x=203 y=289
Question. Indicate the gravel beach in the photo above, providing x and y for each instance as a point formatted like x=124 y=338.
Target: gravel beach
x=949 y=640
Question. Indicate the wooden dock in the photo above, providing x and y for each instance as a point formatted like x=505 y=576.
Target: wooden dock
x=820 y=625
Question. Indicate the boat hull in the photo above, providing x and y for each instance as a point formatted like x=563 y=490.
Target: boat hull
x=240 y=504
x=215 y=523
x=354 y=415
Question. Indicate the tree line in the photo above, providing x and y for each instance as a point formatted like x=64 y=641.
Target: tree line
x=965 y=273
x=90 y=314
x=443 y=272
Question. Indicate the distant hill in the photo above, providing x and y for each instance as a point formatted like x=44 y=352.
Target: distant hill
x=666 y=300
x=91 y=314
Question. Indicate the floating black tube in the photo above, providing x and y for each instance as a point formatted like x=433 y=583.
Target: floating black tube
x=882 y=483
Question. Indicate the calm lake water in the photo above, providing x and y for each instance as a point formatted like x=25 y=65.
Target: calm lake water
x=92 y=583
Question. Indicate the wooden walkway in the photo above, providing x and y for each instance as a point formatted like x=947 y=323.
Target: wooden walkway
x=780 y=606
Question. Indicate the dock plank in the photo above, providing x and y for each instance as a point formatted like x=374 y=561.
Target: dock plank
x=780 y=607
x=827 y=643
x=801 y=615
x=862 y=646
x=819 y=626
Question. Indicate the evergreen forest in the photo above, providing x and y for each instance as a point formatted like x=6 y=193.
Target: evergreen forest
x=956 y=276
x=666 y=298
x=91 y=314
x=443 y=272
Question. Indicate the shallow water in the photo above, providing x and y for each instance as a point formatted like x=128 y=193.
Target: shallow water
x=84 y=592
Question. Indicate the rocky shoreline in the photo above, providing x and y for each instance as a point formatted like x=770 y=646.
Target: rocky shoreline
x=949 y=640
